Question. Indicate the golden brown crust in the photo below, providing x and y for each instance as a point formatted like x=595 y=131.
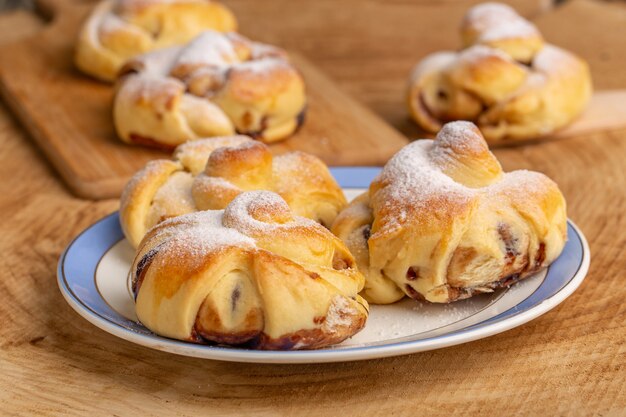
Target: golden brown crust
x=499 y=26
x=253 y=274
x=208 y=174
x=506 y=80
x=443 y=222
x=217 y=84
x=118 y=30
x=138 y=196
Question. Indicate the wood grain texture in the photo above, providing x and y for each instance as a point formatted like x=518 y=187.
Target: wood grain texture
x=571 y=361
x=593 y=30
x=69 y=115
x=382 y=40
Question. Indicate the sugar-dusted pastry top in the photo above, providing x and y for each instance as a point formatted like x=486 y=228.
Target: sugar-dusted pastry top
x=208 y=174
x=117 y=30
x=253 y=274
x=443 y=222
x=506 y=79
x=217 y=84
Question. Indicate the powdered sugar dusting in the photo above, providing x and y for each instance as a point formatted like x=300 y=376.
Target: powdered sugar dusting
x=292 y=161
x=263 y=50
x=194 y=154
x=219 y=189
x=110 y=24
x=159 y=62
x=516 y=182
x=150 y=87
x=261 y=66
x=490 y=13
x=200 y=233
x=515 y=29
x=209 y=48
x=495 y=21
x=151 y=169
x=201 y=145
x=239 y=214
x=553 y=60
x=462 y=137
x=218 y=182
x=409 y=316
x=293 y=169
x=212 y=53
x=173 y=198
x=411 y=173
x=340 y=314
x=413 y=179
x=481 y=52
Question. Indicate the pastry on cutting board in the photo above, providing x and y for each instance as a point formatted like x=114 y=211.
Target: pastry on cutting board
x=443 y=222
x=506 y=79
x=253 y=274
x=217 y=84
x=117 y=30
x=208 y=174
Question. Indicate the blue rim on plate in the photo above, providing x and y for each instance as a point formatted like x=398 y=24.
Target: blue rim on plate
x=78 y=263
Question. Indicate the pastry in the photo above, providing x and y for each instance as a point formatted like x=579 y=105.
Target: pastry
x=217 y=84
x=507 y=80
x=207 y=174
x=117 y=30
x=443 y=222
x=253 y=274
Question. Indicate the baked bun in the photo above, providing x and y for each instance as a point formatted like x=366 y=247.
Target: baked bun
x=252 y=274
x=217 y=84
x=117 y=30
x=443 y=222
x=208 y=174
x=506 y=79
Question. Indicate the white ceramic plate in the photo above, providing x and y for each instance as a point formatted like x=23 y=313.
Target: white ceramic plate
x=93 y=277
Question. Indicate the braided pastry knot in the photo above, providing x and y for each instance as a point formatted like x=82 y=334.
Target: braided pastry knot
x=117 y=30
x=251 y=274
x=443 y=222
x=208 y=174
x=506 y=80
x=215 y=85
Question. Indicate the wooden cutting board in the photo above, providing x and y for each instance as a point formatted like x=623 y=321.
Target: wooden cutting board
x=69 y=114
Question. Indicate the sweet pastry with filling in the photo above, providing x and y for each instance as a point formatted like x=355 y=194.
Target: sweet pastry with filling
x=443 y=222
x=117 y=30
x=217 y=84
x=252 y=275
x=208 y=174
x=506 y=79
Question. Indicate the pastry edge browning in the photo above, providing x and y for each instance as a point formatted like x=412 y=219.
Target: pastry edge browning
x=138 y=195
x=93 y=59
x=162 y=105
x=511 y=230
x=313 y=338
x=555 y=88
x=387 y=290
x=103 y=62
x=191 y=158
x=174 y=285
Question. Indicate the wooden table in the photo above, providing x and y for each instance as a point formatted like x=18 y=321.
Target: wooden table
x=572 y=361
